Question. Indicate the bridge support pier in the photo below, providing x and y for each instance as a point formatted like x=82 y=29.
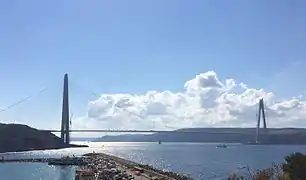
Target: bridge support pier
x=65 y=133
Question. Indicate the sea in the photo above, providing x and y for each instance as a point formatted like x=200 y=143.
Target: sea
x=197 y=160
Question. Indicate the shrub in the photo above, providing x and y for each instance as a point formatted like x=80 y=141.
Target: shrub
x=294 y=168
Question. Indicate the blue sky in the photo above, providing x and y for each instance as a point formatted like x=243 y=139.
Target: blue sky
x=136 y=46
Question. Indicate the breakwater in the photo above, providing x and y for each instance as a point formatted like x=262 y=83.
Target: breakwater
x=146 y=171
x=28 y=160
x=64 y=161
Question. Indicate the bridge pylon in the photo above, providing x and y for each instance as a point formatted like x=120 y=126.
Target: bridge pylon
x=261 y=111
x=65 y=133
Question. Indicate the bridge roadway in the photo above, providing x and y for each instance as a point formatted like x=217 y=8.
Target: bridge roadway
x=106 y=130
x=137 y=131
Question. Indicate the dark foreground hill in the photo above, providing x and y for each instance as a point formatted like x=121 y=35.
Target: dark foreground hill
x=18 y=137
x=223 y=135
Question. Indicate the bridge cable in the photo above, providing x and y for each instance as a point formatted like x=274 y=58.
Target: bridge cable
x=22 y=100
x=266 y=113
x=70 y=119
x=82 y=87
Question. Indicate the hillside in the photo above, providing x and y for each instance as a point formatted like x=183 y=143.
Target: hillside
x=224 y=135
x=18 y=137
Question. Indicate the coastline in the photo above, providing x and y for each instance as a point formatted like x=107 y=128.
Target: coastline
x=94 y=160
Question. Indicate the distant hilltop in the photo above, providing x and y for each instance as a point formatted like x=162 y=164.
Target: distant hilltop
x=18 y=137
x=224 y=135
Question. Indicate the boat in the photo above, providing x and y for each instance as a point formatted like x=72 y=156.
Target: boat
x=222 y=146
x=159 y=142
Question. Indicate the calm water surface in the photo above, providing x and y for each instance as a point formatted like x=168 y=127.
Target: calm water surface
x=200 y=161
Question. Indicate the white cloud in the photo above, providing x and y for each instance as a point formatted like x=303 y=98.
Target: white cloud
x=206 y=101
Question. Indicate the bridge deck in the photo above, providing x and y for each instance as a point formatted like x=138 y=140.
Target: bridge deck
x=139 y=131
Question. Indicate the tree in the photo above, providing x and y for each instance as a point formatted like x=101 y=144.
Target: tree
x=295 y=166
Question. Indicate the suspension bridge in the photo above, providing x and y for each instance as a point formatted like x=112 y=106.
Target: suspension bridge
x=66 y=121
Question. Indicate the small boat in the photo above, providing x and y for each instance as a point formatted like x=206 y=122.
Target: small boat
x=222 y=146
x=159 y=142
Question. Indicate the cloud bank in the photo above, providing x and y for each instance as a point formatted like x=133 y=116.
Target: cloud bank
x=206 y=101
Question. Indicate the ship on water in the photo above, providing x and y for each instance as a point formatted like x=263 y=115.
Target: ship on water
x=222 y=146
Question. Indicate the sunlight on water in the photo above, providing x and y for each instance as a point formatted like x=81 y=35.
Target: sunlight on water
x=201 y=161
